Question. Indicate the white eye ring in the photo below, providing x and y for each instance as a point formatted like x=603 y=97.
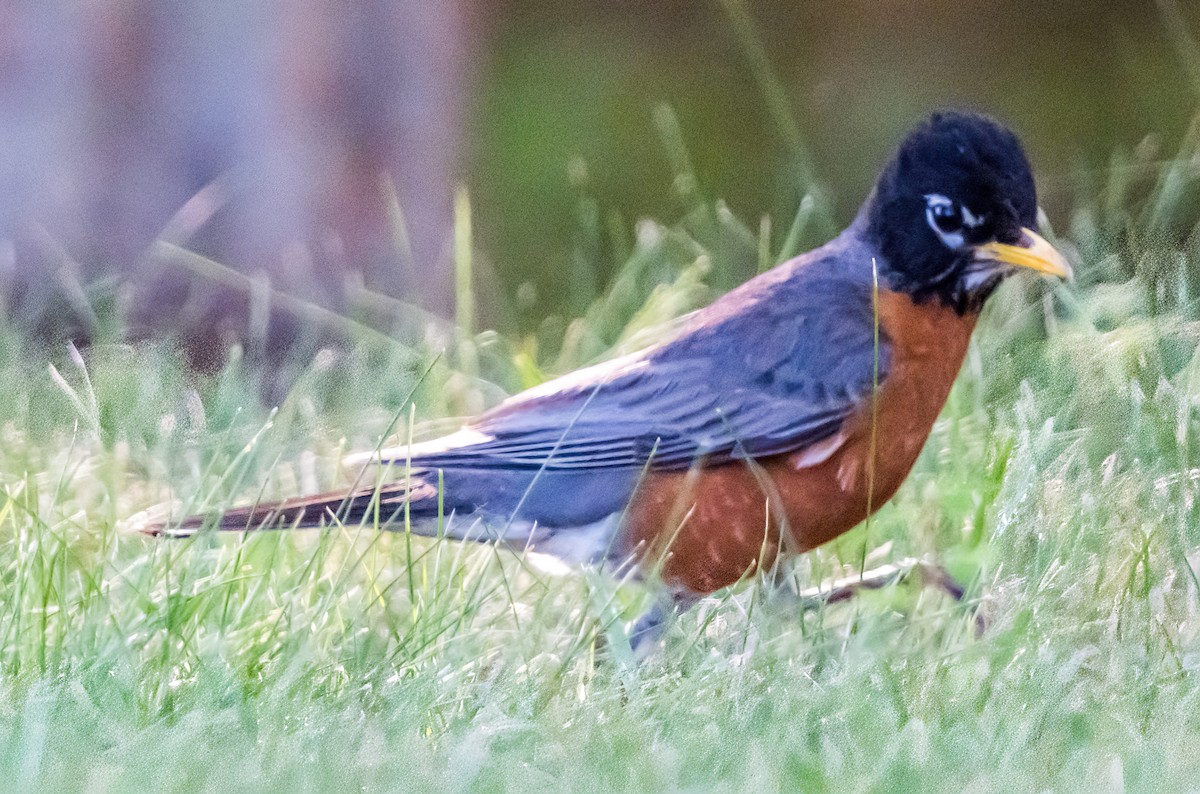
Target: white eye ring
x=951 y=239
x=970 y=219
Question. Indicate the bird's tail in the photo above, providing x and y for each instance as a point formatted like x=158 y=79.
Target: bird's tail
x=384 y=505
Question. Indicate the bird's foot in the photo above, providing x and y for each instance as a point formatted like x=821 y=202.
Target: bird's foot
x=646 y=632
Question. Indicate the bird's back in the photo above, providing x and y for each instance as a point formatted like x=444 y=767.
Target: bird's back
x=772 y=368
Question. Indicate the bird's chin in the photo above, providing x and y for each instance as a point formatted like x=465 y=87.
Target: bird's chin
x=977 y=283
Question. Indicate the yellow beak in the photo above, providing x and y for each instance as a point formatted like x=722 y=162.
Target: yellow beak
x=1032 y=252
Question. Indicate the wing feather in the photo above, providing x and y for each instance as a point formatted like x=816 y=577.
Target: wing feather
x=773 y=367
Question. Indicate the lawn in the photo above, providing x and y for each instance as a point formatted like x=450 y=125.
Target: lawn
x=1060 y=483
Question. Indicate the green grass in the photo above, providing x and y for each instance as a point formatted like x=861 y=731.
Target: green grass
x=1061 y=482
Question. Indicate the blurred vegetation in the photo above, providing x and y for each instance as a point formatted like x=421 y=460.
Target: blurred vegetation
x=317 y=152
x=567 y=153
x=1061 y=482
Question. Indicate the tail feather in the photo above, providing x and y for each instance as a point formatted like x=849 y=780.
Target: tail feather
x=350 y=508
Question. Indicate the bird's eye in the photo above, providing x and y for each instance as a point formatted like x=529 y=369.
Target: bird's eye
x=949 y=219
x=946 y=217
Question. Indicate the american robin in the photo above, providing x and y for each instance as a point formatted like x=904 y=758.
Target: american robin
x=773 y=420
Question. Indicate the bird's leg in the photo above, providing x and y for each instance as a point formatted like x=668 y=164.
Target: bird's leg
x=932 y=575
x=646 y=632
x=845 y=588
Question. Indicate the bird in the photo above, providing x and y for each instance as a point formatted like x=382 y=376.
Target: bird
x=771 y=421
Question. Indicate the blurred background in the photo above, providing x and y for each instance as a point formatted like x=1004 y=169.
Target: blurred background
x=166 y=164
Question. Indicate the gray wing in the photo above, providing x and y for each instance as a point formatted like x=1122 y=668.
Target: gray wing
x=773 y=367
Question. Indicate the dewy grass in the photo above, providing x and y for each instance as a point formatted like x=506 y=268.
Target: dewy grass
x=1061 y=481
x=277 y=660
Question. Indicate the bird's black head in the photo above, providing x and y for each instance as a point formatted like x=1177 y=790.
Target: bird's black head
x=953 y=212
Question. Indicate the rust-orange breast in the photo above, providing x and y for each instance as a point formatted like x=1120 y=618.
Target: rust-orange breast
x=708 y=528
